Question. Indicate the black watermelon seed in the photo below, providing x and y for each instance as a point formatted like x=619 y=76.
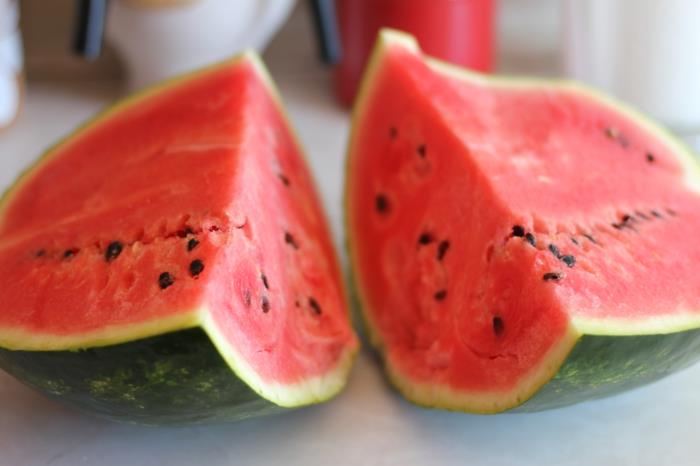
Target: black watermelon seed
x=442 y=249
x=425 y=238
x=283 y=179
x=440 y=295
x=612 y=133
x=289 y=239
x=196 y=267
x=590 y=238
x=40 y=253
x=247 y=298
x=313 y=304
x=518 y=231
x=574 y=240
x=656 y=214
x=552 y=276
x=617 y=226
x=265 y=304
x=263 y=277
x=381 y=203
x=192 y=243
x=393 y=132
x=569 y=260
x=650 y=157
x=554 y=250
x=113 y=250
x=530 y=238
x=165 y=280
x=422 y=151
x=642 y=215
x=68 y=253
x=626 y=218
x=498 y=326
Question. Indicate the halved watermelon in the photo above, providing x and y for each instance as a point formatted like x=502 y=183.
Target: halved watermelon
x=517 y=243
x=170 y=262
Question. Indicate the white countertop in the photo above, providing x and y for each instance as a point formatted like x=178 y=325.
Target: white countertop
x=366 y=425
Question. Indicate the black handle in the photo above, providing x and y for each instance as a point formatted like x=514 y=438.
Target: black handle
x=89 y=28
x=327 y=33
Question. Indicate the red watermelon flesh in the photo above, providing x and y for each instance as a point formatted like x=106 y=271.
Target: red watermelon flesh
x=187 y=205
x=494 y=222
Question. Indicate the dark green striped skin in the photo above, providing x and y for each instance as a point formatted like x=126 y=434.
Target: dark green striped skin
x=600 y=366
x=170 y=379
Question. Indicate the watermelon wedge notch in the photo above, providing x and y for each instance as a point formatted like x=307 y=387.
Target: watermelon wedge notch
x=517 y=243
x=170 y=262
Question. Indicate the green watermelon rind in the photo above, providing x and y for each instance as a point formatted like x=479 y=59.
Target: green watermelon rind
x=174 y=378
x=595 y=357
x=315 y=389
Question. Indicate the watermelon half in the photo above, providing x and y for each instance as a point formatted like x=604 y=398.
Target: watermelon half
x=169 y=262
x=517 y=243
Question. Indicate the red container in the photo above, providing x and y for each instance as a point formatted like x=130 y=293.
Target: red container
x=458 y=31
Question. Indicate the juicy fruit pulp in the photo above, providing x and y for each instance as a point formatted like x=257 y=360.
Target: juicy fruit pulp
x=186 y=206
x=494 y=223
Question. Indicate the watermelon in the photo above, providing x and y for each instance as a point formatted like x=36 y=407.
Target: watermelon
x=517 y=243
x=170 y=263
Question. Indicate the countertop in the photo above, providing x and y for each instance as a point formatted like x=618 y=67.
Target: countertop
x=368 y=424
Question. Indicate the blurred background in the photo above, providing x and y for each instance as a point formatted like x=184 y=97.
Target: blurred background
x=642 y=51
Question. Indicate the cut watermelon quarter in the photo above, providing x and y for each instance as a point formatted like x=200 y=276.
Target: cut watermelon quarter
x=517 y=243
x=170 y=263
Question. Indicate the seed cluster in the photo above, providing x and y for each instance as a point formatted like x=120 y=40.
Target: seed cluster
x=631 y=220
x=196 y=267
x=617 y=136
x=427 y=238
x=518 y=231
